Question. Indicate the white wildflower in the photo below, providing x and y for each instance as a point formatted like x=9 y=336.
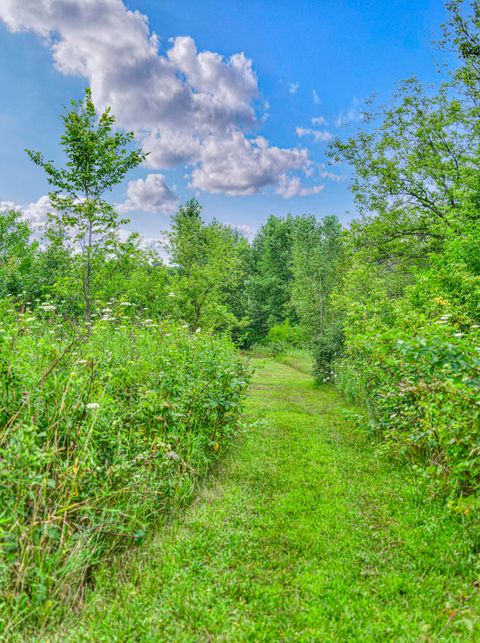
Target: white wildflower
x=92 y=405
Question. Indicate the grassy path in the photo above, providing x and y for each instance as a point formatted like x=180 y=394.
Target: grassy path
x=302 y=536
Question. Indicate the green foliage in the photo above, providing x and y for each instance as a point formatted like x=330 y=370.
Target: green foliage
x=17 y=255
x=303 y=486
x=208 y=261
x=97 y=160
x=282 y=337
x=268 y=286
x=408 y=301
x=99 y=432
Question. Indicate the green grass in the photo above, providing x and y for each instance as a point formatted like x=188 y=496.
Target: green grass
x=302 y=535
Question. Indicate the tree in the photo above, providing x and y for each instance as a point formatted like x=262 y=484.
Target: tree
x=413 y=172
x=316 y=262
x=269 y=285
x=462 y=32
x=98 y=159
x=17 y=253
x=207 y=265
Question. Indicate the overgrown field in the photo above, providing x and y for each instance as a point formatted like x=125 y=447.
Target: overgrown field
x=101 y=428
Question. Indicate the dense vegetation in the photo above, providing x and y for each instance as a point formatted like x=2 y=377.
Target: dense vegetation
x=120 y=376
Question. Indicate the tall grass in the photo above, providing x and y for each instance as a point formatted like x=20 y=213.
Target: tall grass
x=101 y=428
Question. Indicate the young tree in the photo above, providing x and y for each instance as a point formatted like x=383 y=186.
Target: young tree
x=207 y=264
x=98 y=159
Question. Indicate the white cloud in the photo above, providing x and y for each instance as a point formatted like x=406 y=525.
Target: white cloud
x=319 y=136
x=244 y=230
x=319 y=120
x=316 y=97
x=331 y=176
x=36 y=213
x=182 y=104
x=8 y=205
x=237 y=165
x=149 y=195
x=293 y=87
x=348 y=116
x=292 y=186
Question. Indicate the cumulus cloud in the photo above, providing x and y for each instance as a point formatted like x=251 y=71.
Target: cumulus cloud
x=151 y=194
x=8 y=205
x=316 y=97
x=183 y=104
x=237 y=165
x=37 y=213
x=293 y=87
x=319 y=136
x=319 y=120
x=292 y=186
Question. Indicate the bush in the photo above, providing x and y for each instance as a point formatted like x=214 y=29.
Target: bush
x=416 y=372
x=327 y=348
x=284 y=336
x=100 y=432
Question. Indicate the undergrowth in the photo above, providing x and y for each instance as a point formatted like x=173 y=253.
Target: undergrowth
x=101 y=428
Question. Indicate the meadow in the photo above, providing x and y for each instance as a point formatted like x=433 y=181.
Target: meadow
x=127 y=373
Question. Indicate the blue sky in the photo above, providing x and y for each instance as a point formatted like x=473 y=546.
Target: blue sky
x=302 y=60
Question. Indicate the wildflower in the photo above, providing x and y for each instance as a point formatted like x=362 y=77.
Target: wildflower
x=458 y=334
x=92 y=405
x=198 y=330
x=30 y=319
x=125 y=303
x=171 y=294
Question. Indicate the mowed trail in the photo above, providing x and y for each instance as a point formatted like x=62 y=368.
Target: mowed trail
x=302 y=535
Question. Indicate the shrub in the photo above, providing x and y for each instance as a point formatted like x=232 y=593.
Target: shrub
x=284 y=336
x=100 y=431
x=417 y=375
